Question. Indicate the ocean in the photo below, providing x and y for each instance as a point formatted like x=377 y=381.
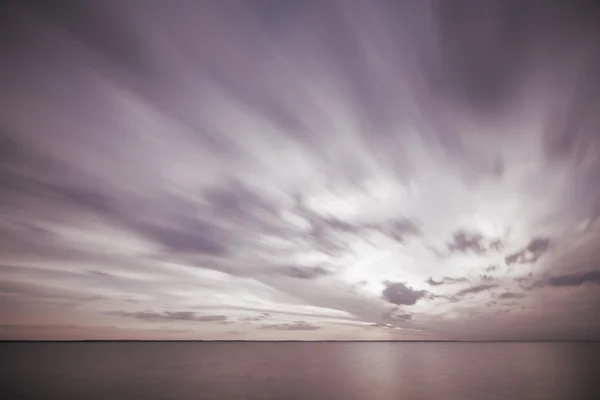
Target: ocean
x=299 y=370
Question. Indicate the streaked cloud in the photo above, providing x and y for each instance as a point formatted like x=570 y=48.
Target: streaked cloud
x=304 y=170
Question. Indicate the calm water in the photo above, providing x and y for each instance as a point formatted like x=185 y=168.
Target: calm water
x=280 y=371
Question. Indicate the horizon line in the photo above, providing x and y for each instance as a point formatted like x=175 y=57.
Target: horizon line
x=294 y=341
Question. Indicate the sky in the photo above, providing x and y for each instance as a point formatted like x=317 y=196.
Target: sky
x=300 y=170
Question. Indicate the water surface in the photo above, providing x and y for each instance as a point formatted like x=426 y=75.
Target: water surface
x=279 y=371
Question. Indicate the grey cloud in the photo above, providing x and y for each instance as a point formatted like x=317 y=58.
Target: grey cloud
x=295 y=326
x=275 y=312
x=510 y=295
x=100 y=27
x=40 y=293
x=482 y=64
x=299 y=272
x=463 y=241
x=171 y=316
x=189 y=236
x=255 y=318
x=445 y=280
x=101 y=274
x=403 y=317
x=398 y=314
x=400 y=294
x=236 y=202
x=379 y=325
x=496 y=244
x=523 y=279
x=575 y=279
x=492 y=268
x=538 y=245
x=476 y=289
x=190 y=127
x=529 y=254
x=326 y=231
x=400 y=229
x=178 y=234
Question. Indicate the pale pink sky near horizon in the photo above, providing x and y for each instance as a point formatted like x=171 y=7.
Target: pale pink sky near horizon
x=300 y=170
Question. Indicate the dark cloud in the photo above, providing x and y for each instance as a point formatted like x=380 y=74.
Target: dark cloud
x=294 y=326
x=445 y=280
x=101 y=274
x=575 y=279
x=99 y=26
x=189 y=236
x=492 y=268
x=483 y=51
x=171 y=316
x=510 y=295
x=463 y=241
x=400 y=294
x=299 y=272
x=529 y=254
x=476 y=289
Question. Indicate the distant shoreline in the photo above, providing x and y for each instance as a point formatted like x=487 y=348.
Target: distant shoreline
x=297 y=341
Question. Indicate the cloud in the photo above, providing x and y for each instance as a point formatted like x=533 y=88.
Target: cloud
x=575 y=279
x=463 y=242
x=295 y=326
x=101 y=274
x=400 y=229
x=303 y=272
x=83 y=332
x=171 y=316
x=28 y=291
x=445 y=280
x=400 y=294
x=255 y=318
x=536 y=248
x=476 y=289
x=398 y=314
x=497 y=245
x=510 y=295
x=492 y=268
x=232 y=163
x=189 y=236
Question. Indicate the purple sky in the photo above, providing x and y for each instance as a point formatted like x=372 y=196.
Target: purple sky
x=300 y=170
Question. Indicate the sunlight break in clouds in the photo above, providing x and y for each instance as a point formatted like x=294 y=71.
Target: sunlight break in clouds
x=299 y=170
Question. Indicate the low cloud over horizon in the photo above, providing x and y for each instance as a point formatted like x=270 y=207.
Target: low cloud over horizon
x=300 y=170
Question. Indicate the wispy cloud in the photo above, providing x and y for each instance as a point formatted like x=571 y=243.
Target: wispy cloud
x=171 y=316
x=389 y=165
x=295 y=326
